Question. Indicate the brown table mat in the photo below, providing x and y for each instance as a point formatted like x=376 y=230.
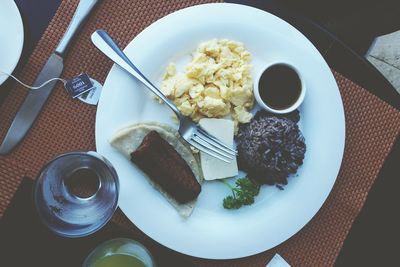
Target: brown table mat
x=66 y=125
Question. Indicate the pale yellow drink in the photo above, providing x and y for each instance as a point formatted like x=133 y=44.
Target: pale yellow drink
x=120 y=252
x=118 y=260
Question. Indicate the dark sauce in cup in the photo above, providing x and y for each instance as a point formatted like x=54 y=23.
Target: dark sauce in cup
x=280 y=86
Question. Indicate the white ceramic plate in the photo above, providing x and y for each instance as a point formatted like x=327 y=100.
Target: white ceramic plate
x=11 y=37
x=211 y=231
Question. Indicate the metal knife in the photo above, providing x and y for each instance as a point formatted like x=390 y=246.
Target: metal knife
x=35 y=100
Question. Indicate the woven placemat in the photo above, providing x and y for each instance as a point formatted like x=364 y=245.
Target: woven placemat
x=67 y=125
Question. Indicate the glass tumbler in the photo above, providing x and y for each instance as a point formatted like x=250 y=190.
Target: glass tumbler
x=76 y=193
x=121 y=252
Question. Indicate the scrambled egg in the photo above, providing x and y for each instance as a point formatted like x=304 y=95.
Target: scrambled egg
x=216 y=83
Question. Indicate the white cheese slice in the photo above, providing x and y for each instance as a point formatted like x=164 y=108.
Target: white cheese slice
x=214 y=168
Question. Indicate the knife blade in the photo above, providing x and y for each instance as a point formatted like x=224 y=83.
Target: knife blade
x=36 y=99
x=32 y=104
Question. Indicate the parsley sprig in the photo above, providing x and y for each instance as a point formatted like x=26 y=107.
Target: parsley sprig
x=242 y=194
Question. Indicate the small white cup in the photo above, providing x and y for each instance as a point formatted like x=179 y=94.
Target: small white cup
x=256 y=91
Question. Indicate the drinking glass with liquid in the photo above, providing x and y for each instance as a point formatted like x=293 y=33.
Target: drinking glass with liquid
x=120 y=252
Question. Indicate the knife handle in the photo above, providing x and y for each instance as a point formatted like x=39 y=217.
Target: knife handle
x=82 y=11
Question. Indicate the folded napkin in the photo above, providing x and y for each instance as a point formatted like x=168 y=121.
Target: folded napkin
x=277 y=261
x=25 y=241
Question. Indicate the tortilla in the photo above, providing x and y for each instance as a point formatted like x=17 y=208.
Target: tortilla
x=128 y=139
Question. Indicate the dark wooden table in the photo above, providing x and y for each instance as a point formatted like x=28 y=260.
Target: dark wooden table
x=370 y=240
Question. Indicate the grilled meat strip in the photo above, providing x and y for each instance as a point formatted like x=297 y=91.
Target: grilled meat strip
x=160 y=161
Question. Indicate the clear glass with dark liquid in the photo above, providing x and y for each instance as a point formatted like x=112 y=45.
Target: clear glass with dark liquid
x=76 y=193
x=280 y=86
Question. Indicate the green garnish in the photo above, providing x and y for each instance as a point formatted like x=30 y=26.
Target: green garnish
x=242 y=194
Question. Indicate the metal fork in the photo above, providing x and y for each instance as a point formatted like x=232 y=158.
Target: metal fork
x=190 y=131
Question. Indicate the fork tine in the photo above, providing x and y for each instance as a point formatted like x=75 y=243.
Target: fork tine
x=214 y=149
x=215 y=141
x=206 y=139
x=208 y=151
